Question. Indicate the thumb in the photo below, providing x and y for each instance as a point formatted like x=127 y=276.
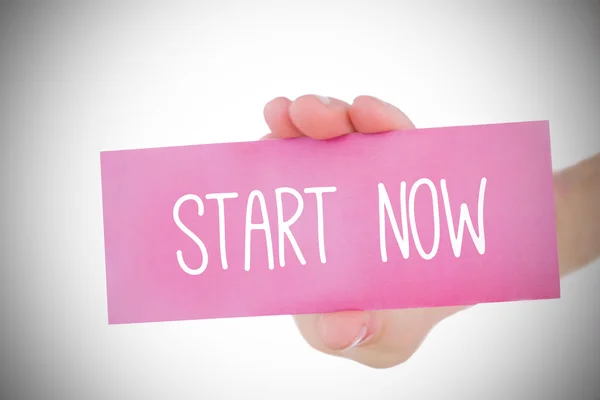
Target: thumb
x=379 y=339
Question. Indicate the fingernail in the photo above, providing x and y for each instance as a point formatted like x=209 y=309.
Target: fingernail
x=323 y=99
x=362 y=335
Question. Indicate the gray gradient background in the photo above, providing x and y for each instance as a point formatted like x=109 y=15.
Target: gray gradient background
x=77 y=78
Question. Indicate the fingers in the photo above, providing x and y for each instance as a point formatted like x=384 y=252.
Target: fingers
x=326 y=117
x=321 y=117
x=371 y=115
x=277 y=117
x=310 y=115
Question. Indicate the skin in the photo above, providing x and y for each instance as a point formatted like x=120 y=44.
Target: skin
x=383 y=339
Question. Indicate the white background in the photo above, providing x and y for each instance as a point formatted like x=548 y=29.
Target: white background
x=78 y=80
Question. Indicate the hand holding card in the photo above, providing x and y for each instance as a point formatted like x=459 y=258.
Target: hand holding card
x=420 y=218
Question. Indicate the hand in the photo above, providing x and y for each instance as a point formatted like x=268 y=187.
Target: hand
x=384 y=339
x=379 y=339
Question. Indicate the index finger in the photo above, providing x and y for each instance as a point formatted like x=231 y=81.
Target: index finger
x=372 y=115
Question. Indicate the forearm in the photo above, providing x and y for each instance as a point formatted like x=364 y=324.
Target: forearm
x=577 y=196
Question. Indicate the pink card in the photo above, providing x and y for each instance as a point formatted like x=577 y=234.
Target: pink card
x=421 y=218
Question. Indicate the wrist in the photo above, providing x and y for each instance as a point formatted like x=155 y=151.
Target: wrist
x=577 y=200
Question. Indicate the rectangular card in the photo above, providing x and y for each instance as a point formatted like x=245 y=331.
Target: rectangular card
x=404 y=219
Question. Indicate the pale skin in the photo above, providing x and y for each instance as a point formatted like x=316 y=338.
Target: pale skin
x=383 y=339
